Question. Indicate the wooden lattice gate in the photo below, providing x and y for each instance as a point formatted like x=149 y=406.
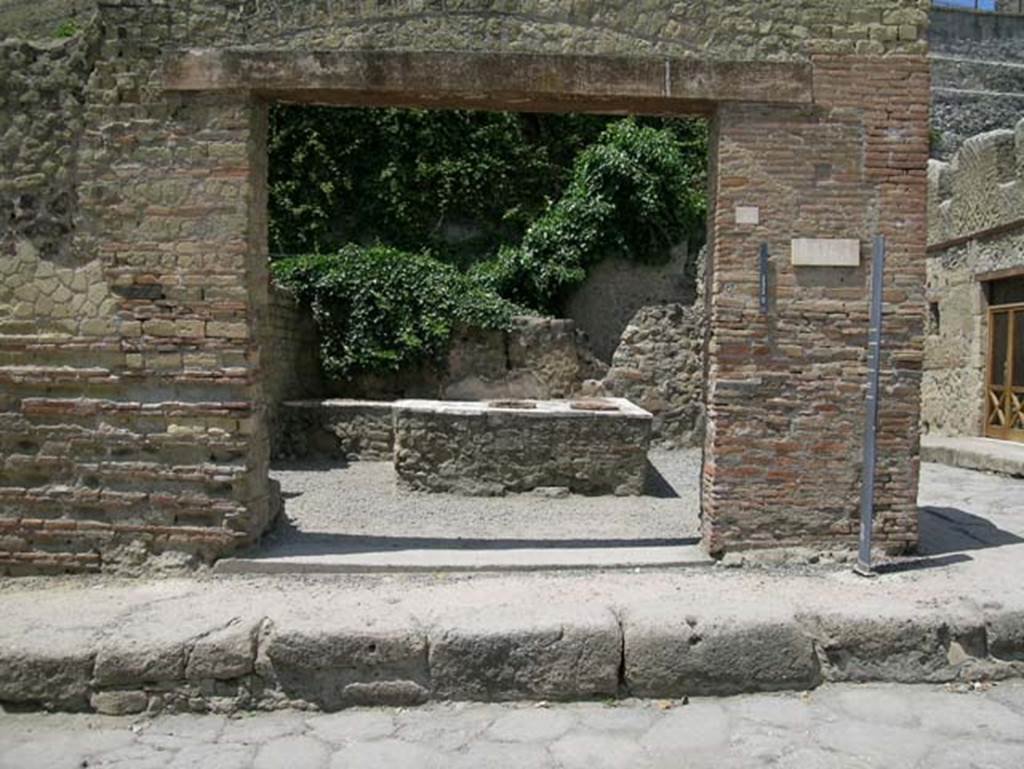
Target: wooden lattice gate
x=1004 y=414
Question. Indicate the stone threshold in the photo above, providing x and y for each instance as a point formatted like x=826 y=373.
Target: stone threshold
x=1004 y=457
x=230 y=644
x=359 y=560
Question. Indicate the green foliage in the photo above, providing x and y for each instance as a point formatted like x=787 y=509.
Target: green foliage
x=428 y=219
x=457 y=183
x=67 y=28
x=636 y=192
x=379 y=309
x=460 y=184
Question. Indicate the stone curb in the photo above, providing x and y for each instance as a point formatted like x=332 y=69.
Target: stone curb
x=253 y=663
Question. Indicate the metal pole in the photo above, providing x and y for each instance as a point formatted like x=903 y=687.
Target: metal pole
x=867 y=492
x=762 y=270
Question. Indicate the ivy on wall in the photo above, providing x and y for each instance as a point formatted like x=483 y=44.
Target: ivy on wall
x=635 y=192
x=378 y=309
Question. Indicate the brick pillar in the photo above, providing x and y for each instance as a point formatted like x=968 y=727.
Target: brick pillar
x=786 y=388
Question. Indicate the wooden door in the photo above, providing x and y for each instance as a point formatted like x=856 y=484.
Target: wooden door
x=1004 y=408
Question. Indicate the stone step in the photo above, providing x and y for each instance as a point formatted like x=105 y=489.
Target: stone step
x=233 y=643
x=1005 y=457
x=388 y=556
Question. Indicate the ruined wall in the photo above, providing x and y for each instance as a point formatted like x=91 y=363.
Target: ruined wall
x=290 y=363
x=659 y=366
x=334 y=428
x=981 y=188
x=535 y=358
x=144 y=430
x=616 y=288
x=977 y=75
x=130 y=410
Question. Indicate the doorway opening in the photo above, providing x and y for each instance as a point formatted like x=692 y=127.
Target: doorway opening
x=1004 y=391
x=485 y=338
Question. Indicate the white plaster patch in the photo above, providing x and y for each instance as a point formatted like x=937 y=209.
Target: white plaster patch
x=748 y=215
x=825 y=252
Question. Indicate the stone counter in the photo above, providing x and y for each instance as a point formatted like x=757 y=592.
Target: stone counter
x=335 y=428
x=590 y=446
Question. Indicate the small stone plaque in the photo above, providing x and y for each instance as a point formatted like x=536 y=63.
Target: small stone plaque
x=748 y=215
x=825 y=252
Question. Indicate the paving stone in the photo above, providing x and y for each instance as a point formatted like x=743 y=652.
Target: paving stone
x=976 y=754
x=782 y=710
x=50 y=749
x=132 y=757
x=500 y=755
x=878 y=706
x=449 y=729
x=394 y=754
x=294 y=752
x=41 y=756
x=702 y=725
x=949 y=713
x=210 y=756
x=951 y=731
x=625 y=717
x=533 y=725
x=590 y=750
x=819 y=758
x=253 y=728
x=874 y=743
x=352 y=725
x=196 y=728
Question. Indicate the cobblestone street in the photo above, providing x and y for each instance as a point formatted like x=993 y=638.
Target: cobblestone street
x=834 y=727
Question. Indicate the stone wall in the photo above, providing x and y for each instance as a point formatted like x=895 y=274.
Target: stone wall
x=41 y=18
x=292 y=368
x=659 y=365
x=335 y=428
x=617 y=288
x=980 y=189
x=487 y=449
x=131 y=420
x=535 y=358
x=138 y=426
x=977 y=74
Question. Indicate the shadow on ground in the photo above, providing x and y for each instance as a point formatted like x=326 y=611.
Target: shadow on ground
x=293 y=542
x=951 y=530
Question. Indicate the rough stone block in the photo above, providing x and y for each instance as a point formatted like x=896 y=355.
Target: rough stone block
x=34 y=676
x=134 y=660
x=340 y=668
x=1006 y=636
x=668 y=655
x=119 y=703
x=875 y=648
x=229 y=652
x=488 y=657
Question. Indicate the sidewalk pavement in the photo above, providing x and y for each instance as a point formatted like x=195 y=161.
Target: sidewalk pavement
x=224 y=643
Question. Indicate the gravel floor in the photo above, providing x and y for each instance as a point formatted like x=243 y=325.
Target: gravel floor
x=363 y=499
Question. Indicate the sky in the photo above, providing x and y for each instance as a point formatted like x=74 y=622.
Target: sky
x=985 y=5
